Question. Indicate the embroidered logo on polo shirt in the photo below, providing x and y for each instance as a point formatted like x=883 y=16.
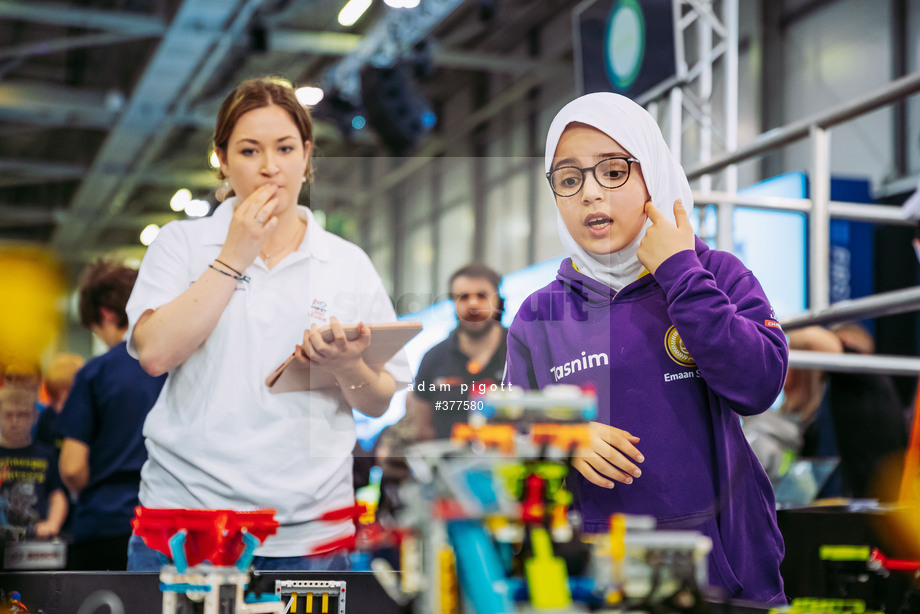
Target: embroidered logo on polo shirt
x=676 y=349
x=318 y=310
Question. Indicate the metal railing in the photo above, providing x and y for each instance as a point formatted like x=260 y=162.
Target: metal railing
x=855 y=363
x=820 y=209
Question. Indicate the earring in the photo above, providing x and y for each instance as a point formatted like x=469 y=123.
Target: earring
x=223 y=191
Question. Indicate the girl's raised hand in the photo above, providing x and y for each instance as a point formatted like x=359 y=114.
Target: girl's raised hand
x=253 y=221
x=610 y=456
x=664 y=239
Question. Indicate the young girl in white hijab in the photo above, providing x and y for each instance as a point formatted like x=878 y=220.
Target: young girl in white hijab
x=677 y=340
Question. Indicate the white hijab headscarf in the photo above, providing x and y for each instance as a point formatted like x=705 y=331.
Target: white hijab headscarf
x=636 y=131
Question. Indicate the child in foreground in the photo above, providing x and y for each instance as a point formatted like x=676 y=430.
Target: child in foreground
x=678 y=340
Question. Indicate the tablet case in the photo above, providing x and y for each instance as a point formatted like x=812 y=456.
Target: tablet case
x=387 y=338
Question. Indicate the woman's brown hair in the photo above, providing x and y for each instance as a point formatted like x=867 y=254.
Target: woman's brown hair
x=254 y=94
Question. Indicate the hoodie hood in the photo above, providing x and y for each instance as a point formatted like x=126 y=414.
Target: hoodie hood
x=598 y=294
x=633 y=128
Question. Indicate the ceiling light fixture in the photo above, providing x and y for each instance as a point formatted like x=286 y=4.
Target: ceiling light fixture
x=180 y=199
x=352 y=11
x=149 y=233
x=401 y=4
x=308 y=95
x=197 y=208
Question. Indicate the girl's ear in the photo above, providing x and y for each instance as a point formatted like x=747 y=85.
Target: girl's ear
x=636 y=171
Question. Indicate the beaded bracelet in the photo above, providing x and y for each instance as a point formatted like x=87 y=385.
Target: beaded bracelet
x=236 y=277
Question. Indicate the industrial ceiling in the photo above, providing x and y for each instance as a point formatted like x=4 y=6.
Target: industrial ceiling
x=107 y=106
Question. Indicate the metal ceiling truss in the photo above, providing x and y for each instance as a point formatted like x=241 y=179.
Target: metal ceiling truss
x=192 y=49
x=67 y=43
x=40 y=104
x=198 y=38
x=390 y=39
x=716 y=36
x=91 y=19
x=343 y=44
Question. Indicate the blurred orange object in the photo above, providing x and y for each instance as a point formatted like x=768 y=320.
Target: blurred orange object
x=910 y=478
x=563 y=436
x=500 y=436
x=33 y=306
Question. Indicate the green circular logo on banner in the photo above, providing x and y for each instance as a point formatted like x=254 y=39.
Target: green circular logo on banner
x=625 y=43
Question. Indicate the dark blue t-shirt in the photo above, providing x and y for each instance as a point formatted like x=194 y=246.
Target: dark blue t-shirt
x=106 y=409
x=29 y=475
x=47 y=428
x=447 y=374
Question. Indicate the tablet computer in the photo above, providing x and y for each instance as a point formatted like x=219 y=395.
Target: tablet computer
x=387 y=338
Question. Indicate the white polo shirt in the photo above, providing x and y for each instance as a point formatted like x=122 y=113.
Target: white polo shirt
x=216 y=437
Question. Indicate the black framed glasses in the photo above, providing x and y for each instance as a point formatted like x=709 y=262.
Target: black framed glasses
x=611 y=173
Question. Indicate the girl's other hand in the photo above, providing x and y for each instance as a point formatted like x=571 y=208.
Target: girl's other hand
x=609 y=457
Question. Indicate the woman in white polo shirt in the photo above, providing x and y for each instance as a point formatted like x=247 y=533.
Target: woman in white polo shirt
x=219 y=302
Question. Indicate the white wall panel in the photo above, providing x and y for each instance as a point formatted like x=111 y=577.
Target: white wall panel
x=507 y=224
x=913 y=105
x=455 y=239
x=548 y=244
x=419 y=197
x=835 y=55
x=417 y=261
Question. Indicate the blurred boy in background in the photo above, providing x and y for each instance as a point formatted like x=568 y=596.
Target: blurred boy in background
x=102 y=423
x=58 y=378
x=32 y=501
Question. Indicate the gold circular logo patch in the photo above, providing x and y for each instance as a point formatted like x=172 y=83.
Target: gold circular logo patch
x=676 y=349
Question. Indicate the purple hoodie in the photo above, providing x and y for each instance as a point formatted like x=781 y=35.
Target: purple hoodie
x=683 y=395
